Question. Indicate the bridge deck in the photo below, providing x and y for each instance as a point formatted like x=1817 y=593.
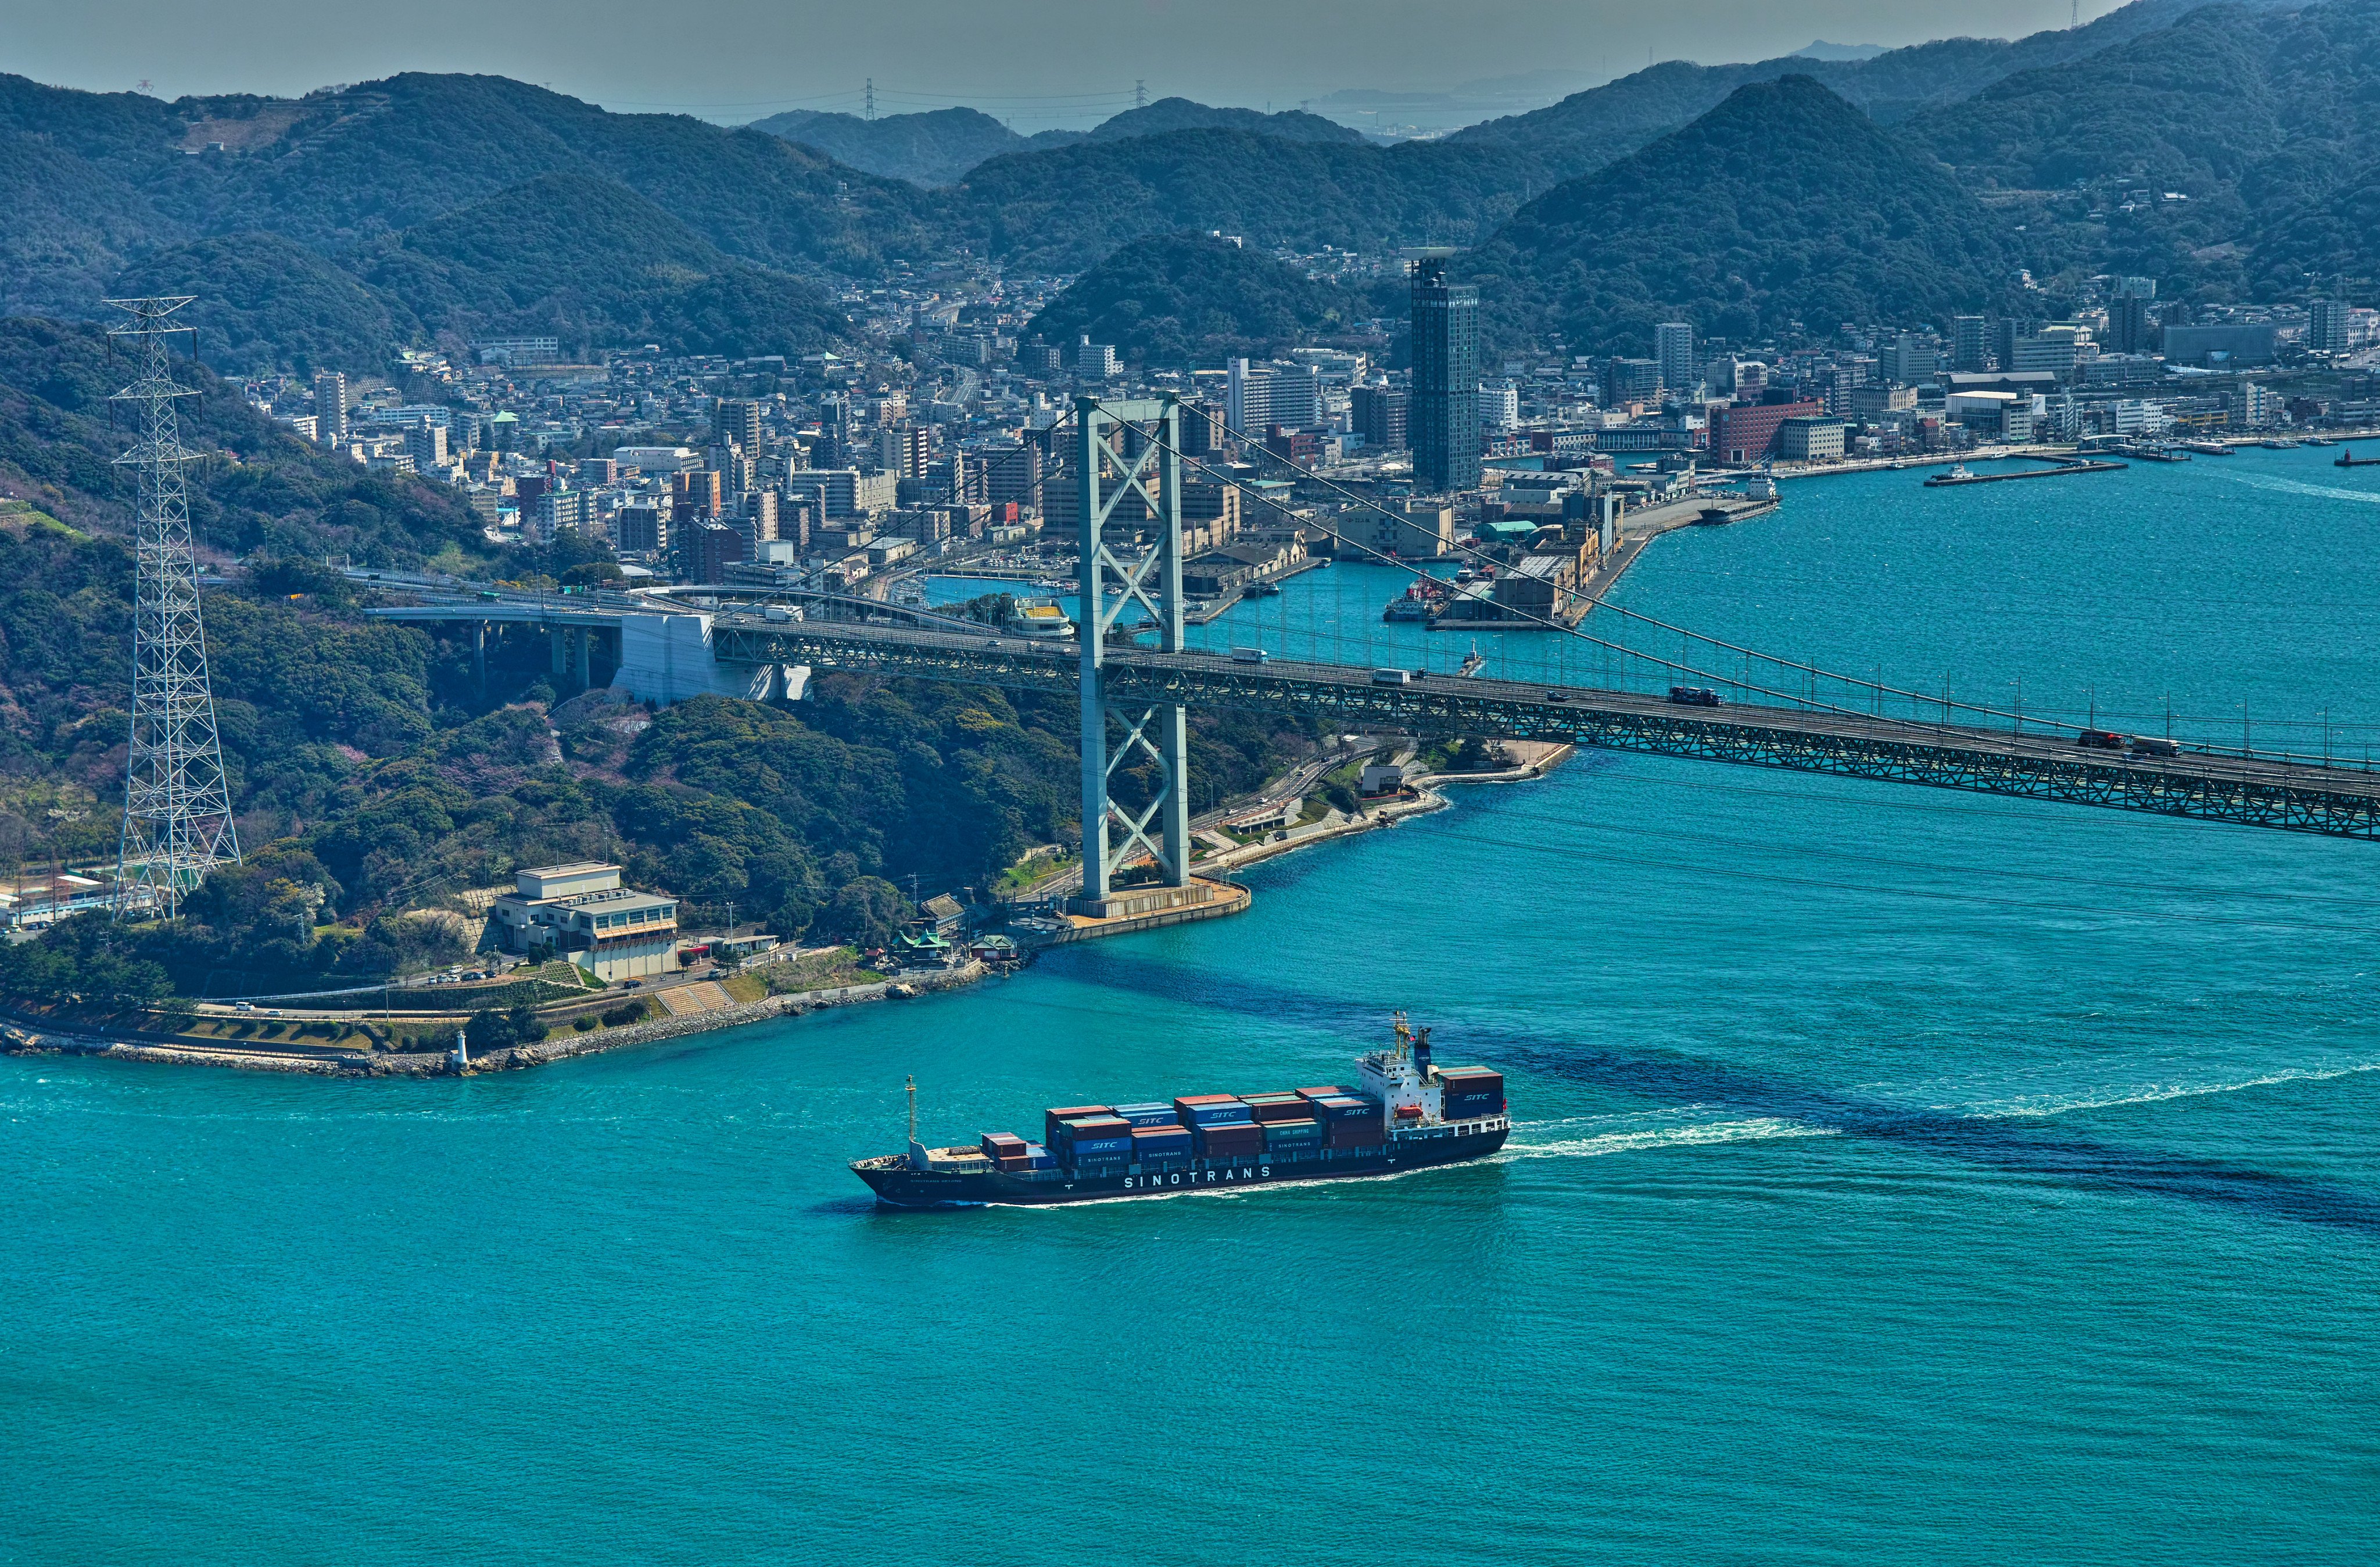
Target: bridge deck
x=2298 y=797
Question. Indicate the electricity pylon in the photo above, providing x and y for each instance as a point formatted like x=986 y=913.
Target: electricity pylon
x=177 y=822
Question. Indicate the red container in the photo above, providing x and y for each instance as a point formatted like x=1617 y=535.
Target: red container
x=1291 y=1109
x=1002 y=1144
x=1363 y=1134
x=1051 y=1118
x=1322 y=1093
x=1184 y=1106
x=1232 y=1141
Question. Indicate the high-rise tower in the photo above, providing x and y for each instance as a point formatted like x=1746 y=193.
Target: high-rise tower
x=1681 y=373
x=1443 y=419
x=177 y=822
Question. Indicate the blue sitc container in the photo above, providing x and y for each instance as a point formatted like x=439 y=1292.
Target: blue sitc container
x=1220 y=1114
x=1147 y=1114
x=1347 y=1107
x=1102 y=1148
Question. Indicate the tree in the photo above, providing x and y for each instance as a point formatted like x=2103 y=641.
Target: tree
x=869 y=912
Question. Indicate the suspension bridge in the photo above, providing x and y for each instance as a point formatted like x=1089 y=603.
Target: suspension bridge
x=1136 y=678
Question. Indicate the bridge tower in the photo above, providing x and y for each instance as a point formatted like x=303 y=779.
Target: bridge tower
x=177 y=822
x=1139 y=442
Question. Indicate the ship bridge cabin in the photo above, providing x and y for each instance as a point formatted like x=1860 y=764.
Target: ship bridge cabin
x=581 y=914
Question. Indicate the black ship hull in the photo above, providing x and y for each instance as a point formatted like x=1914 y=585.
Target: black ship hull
x=897 y=1184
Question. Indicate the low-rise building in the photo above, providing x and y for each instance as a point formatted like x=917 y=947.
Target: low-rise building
x=580 y=914
x=1810 y=439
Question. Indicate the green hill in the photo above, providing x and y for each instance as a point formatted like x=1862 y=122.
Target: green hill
x=2252 y=117
x=1062 y=209
x=265 y=301
x=260 y=488
x=1782 y=203
x=1590 y=128
x=1180 y=299
x=96 y=182
x=939 y=146
x=933 y=148
x=597 y=265
x=1168 y=115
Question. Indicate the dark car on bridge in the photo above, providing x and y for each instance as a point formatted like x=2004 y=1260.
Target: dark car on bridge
x=1695 y=696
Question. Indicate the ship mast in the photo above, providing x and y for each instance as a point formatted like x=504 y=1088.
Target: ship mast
x=912 y=1108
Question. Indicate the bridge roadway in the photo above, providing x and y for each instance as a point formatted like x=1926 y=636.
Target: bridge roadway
x=2212 y=785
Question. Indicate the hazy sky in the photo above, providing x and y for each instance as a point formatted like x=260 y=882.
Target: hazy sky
x=1039 y=62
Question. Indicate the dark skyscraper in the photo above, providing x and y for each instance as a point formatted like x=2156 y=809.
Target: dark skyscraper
x=1444 y=415
x=2128 y=315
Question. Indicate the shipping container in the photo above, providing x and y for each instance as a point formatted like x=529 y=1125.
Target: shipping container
x=1471 y=1080
x=1092 y=1126
x=1356 y=1135
x=1189 y=1103
x=1325 y=1093
x=1002 y=1144
x=1218 y=1114
x=1346 y=1106
x=1281 y=1132
x=1052 y=1119
x=1154 y=1113
x=1240 y=1137
x=1160 y=1137
x=1041 y=1157
x=1288 y=1109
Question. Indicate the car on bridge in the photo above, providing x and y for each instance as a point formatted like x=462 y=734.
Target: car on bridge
x=2100 y=739
x=1695 y=696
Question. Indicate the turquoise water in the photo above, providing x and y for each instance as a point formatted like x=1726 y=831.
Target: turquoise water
x=1902 y=1176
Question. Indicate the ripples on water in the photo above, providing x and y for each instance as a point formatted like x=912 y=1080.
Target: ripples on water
x=1900 y=1175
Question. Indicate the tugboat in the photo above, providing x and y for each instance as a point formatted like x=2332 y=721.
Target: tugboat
x=1403 y=1113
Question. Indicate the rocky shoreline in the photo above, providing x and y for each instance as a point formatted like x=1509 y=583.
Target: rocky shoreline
x=19 y=1040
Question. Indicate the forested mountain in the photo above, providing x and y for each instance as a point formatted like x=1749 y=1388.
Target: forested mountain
x=262 y=300
x=594 y=263
x=1178 y=299
x=1182 y=114
x=387 y=204
x=1062 y=211
x=582 y=259
x=261 y=487
x=1783 y=203
x=931 y=148
x=2252 y=117
x=939 y=146
x=1588 y=129
x=97 y=181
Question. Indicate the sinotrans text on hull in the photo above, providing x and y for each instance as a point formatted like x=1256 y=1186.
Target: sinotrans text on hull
x=1403 y=1112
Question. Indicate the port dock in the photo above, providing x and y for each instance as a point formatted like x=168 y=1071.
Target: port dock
x=2348 y=459
x=1941 y=481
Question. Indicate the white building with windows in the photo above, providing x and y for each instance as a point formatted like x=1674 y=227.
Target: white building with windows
x=580 y=914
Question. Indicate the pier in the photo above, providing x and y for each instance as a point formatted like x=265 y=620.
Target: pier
x=1941 y=481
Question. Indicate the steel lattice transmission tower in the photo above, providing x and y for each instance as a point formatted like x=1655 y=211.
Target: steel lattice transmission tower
x=177 y=822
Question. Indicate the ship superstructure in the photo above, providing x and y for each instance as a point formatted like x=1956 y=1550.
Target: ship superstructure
x=1404 y=1113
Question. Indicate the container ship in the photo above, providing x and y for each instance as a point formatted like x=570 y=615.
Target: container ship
x=1403 y=1112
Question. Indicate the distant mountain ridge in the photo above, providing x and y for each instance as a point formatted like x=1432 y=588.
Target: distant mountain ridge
x=939 y=146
